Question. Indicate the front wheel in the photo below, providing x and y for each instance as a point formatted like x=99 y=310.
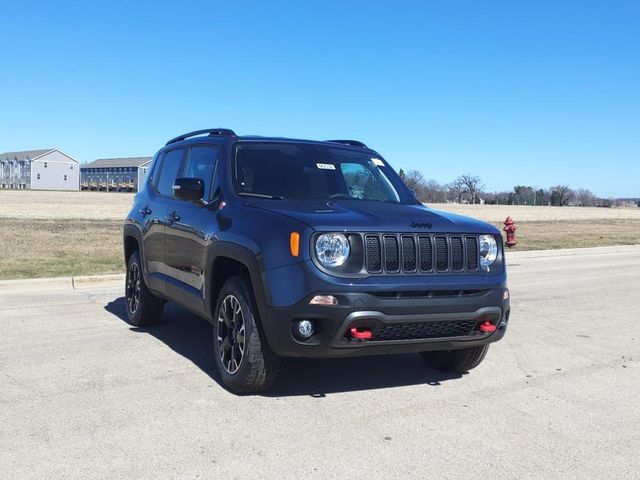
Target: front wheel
x=244 y=360
x=143 y=307
x=456 y=361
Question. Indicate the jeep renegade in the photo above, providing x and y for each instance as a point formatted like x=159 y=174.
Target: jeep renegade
x=304 y=248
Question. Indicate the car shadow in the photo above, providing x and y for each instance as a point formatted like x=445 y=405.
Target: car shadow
x=190 y=336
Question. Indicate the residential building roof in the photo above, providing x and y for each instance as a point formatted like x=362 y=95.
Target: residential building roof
x=24 y=155
x=117 y=162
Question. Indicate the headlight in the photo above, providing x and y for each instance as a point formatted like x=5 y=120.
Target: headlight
x=332 y=249
x=488 y=250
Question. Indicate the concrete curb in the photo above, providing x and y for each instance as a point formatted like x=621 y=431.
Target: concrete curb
x=60 y=283
x=80 y=282
x=92 y=280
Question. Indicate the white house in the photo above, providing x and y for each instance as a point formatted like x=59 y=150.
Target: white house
x=48 y=169
x=142 y=173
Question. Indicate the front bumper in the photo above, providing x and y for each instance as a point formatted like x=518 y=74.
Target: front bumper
x=400 y=323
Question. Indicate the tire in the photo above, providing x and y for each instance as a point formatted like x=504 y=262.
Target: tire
x=243 y=358
x=456 y=361
x=143 y=307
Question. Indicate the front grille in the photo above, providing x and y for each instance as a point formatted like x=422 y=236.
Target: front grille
x=415 y=253
x=472 y=253
x=426 y=254
x=442 y=254
x=457 y=257
x=409 y=262
x=391 y=254
x=423 y=330
x=373 y=257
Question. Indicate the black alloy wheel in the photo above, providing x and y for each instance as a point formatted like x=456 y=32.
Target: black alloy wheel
x=143 y=307
x=132 y=290
x=231 y=334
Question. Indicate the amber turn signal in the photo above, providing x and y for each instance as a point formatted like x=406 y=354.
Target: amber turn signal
x=294 y=244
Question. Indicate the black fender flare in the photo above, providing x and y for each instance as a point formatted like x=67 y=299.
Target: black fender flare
x=253 y=263
x=132 y=231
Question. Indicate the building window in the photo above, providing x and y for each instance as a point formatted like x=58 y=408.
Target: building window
x=38 y=176
x=65 y=178
x=71 y=167
x=45 y=164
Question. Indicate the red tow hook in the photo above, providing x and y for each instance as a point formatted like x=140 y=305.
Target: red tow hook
x=487 y=327
x=364 y=334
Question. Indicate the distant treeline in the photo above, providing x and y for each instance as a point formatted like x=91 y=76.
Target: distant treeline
x=469 y=188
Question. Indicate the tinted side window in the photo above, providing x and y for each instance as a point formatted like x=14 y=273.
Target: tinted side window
x=169 y=171
x=201 y=163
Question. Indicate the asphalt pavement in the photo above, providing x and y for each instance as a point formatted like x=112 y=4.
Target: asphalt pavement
x=85 y=395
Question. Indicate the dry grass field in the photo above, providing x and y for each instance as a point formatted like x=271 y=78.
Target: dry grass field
x=57 y=247
x=67 y=205
x=543 y=228
x=80 y=233
x=523 y=213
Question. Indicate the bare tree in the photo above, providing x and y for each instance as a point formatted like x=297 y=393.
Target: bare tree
x=425 y=190
x=472 y=184
x=456 y=190
x=561 y=195
x=434 y=192
x=585 y=197
x=414 y=179
x=500 y=198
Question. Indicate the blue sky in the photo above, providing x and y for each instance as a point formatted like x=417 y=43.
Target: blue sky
x=534 y=93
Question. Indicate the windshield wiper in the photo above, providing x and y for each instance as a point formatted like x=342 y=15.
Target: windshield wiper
x=260 y=195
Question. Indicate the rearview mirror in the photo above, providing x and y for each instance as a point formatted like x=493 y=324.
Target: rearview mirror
x=191 y=189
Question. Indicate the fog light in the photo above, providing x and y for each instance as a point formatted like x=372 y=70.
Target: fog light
x=324 y=300
x=505 y=295
x=304 y=329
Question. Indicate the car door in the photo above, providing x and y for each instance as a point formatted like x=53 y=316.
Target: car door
x=190 y=230
x=152 y=225
x=155 y=213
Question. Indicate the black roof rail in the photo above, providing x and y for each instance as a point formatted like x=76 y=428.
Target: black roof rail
x=353 y=143
x=210 y=131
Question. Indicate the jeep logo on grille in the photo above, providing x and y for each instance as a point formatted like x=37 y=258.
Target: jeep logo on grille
x=420 y=225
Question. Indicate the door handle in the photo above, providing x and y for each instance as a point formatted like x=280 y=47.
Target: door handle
x=174 y=217
x=145 y=211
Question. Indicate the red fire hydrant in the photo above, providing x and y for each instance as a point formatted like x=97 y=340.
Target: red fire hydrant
x=510 y=228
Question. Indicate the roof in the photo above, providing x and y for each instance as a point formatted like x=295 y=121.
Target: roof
x=351 y=144
x=26 y=154
x=260 y=139
x=225 y=133
x=117 y=162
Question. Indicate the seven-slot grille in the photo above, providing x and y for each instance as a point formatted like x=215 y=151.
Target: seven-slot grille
x=415 y=253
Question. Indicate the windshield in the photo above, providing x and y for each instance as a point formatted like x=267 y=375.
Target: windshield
x=313 y=172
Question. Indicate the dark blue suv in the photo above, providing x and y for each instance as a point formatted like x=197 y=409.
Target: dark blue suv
x=303 y=248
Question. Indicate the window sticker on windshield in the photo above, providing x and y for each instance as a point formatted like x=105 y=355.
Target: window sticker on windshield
x=326 y=166
x=377 y=162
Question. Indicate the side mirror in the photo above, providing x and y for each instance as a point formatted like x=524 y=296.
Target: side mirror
x=191 y=189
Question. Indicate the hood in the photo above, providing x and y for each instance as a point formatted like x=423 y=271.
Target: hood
x=365 y=216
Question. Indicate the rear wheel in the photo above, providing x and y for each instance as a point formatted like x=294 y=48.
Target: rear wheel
x=244 y=360
x=143 y=307
x=456 y=361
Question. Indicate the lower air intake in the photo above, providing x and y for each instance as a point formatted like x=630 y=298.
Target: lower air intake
x=423 y=330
